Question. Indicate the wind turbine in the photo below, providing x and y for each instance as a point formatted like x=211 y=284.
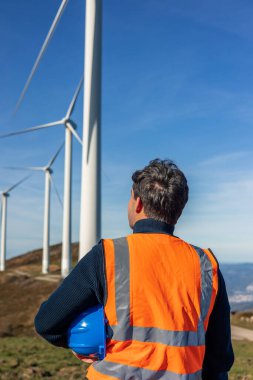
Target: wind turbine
x=90 y=220
x=47 y=169
x=5 y=195
x=70 y=127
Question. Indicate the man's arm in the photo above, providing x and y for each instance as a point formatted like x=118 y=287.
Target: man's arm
x=219 y=356
x=84 y=287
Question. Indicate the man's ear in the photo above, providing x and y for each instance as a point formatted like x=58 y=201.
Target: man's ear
x=139 y=205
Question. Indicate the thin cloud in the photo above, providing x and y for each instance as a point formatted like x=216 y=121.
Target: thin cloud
x=215 y=15
x=224 y=158
x=220 y=214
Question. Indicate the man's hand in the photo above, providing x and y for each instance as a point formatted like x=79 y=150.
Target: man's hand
x=86 y=359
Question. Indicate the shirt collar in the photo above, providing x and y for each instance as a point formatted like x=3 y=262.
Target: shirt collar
x=153 y=226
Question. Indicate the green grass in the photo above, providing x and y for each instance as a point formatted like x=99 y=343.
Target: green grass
x=243 y=366
x=31 y=358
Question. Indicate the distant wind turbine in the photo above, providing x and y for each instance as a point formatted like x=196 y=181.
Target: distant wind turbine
x=5 y=195
x=70 y=127
x=42 y=51
x=47 y=169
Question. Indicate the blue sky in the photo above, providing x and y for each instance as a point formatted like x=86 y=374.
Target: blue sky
x=177 y=83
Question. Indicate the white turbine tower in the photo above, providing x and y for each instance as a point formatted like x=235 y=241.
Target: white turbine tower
x=90 y=221
x=47 y=169
x=70 y=127
x=5 y=195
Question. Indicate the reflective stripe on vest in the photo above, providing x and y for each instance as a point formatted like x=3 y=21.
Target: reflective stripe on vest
x=125 y=372
x=157 y=342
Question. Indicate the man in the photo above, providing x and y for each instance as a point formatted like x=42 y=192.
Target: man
x=165 y=300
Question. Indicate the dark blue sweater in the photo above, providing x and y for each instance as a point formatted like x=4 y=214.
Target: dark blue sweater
x=86 y=286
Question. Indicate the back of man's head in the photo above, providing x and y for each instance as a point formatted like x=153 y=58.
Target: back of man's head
x=163 y=190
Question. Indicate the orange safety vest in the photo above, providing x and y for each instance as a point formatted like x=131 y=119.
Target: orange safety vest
x=161 y=291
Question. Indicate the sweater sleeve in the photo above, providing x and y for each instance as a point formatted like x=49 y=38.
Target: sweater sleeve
x=219 y=356
x=84 y=287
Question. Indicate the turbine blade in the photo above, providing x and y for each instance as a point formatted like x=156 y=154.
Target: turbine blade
x=39 y=168
x=17 y=184
x=55 y=156
x=73 y=101
x=24 y=167
x=56 y=191
x=73 y=131
x=42 y=51
x=15 y=167
x=27 y=130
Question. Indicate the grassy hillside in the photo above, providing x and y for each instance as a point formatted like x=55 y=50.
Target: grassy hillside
x=23 y=288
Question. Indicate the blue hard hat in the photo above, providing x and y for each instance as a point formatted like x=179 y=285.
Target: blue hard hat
x=87 y=333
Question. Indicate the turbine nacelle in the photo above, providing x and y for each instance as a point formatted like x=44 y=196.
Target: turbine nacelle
x=48 y=169
x=67 y=121
x=4 y=194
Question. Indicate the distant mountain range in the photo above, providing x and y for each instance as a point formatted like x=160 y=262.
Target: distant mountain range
x=239 y=283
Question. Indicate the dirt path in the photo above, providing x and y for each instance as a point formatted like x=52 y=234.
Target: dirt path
x=49 y=277
x=239 y=333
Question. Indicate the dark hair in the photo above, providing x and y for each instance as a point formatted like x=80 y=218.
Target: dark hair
x=163 y=190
